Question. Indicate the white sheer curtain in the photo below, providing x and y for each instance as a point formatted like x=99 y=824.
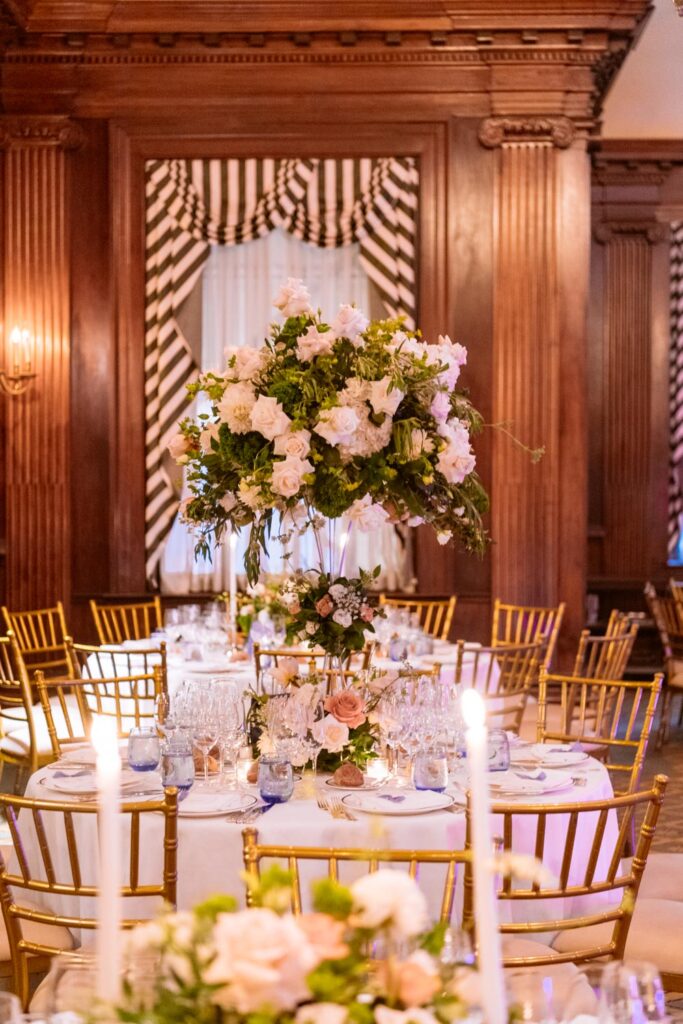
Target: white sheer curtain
x=238 y=285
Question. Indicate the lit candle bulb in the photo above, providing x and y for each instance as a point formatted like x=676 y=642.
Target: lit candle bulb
x=232 y=544
x=15 y=341
x=26 y=350
x=485 y=908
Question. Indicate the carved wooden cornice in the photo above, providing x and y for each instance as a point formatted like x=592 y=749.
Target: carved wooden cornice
x=633 y=162
x=497 y=131
x=24 y=130
x=649 y=231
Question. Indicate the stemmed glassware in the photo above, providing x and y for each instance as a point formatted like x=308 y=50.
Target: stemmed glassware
x=631 y=993
x=205 y=730
x=229 y=709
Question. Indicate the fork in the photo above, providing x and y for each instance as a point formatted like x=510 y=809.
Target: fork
x=340 y=810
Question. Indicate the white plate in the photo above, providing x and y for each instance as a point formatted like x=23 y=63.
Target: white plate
x=213 y=805
x=86 y=784
x=368 y=784
x=85 y=754
x=398 y=802
x=559 y=755
x=510 y=784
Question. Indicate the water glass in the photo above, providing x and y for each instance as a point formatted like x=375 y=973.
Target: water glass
x=499 y=751
x=530 y=995
x=631 y=993
x=275 y=779
x=398 y=649
x=431 y=770
x=144 y=749
x=177 y=765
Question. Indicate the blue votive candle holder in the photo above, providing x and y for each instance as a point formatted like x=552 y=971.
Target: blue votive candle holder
x=144 y=749
x=275 y=779
x=431 y=770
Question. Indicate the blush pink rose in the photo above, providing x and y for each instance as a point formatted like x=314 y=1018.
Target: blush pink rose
x=367 y=613
x=324 y=605
x=347 y=707
x=325 y=935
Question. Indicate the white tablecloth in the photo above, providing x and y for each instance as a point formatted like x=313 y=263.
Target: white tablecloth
x=210 y=849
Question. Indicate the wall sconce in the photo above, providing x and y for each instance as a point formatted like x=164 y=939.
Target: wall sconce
x=16 y=382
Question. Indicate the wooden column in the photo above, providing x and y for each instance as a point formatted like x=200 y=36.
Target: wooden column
x=633 y=484
x=36 y=297
x=541 y=259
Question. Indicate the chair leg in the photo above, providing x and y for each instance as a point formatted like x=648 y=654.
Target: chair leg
x=663 y=731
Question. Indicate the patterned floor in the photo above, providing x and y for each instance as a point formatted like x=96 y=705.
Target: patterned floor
x=669 y=761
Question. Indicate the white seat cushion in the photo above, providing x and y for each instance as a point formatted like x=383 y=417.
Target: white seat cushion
x=17 y=741
x=654 y=935
x=662 y=878
x=572 y=994
x=553 y=716
x=44 y=934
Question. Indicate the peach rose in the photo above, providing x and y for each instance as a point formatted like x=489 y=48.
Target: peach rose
x=325 y=935
x=367 y=613
x=418 y=982
x=347 y=707
x=324 y=605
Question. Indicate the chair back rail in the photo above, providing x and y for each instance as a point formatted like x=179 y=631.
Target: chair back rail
x=605 y=657
x=504 y=675
x=435 y=614
x=41 y=635
x=524 y=624
x=132 y=621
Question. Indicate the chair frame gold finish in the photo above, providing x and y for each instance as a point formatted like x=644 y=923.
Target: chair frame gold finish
x=591 y=713
x=524 y=624
x=22 y=877
x=117 y=697
x=41 y=636
x=17 y=695
x=604 y=657
x=129 y=621
x=667 y=613
x=314 y=662
x=108 y=662
x=517 y=671
x=436 y=614
x=617 y=876
x=254 y=852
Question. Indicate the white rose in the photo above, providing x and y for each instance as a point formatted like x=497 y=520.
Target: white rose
x=268 y=417
x=288 y=475
x=455 y=464
x=342 y=618
x=249 y=494
x=235 y=407
x=333 y=735
x=293 y=298
x=384 y=398
x=313 y=343
x=349 y=323
x=441 y=406
x=209 y=434
x=389 y=898
x=311 y=628
x=178 y=446
x=413 y=1015
x=337 y=591
x=366 y=514
x=337 y=425
x=444 y=536
x=248 y=362
x=321 y=1013
x=296 y=443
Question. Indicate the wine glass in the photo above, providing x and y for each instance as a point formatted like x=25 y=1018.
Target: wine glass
x=205 y=731
x=231 y=727
x=631 y=993
x=312 y=714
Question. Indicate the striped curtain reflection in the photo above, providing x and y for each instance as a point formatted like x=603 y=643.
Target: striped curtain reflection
x=194 y=204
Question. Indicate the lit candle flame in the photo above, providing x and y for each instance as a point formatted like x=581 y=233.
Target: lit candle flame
x=473 y=709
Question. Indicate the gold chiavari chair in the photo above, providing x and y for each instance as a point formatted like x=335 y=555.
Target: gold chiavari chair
x=504 y=675
x=582 y=873
x=267 y=658
x=604 y=715
x=669 y=624
x=24 y=741
x=41 y=637
x=59 y=870
x=134 y=621
x=604 y=657
x=435 y=614
x=254 y=852
x=69 y=705
x=525 y=624
x=88 y=661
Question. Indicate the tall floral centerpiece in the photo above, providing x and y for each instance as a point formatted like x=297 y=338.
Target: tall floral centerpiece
x=341 y=421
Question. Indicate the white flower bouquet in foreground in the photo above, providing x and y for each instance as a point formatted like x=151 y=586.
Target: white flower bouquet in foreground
x=334 y=418
x=266 y=966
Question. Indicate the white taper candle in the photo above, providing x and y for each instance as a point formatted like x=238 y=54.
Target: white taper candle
x=485 y=909
x=105 y=741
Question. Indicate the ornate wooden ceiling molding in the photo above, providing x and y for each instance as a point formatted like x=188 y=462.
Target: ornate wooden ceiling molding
x=648 y=230
x=22 y=130
x=631 y=162
x=497 y=131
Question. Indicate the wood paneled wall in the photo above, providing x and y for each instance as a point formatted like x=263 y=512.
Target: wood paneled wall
x=498 y=107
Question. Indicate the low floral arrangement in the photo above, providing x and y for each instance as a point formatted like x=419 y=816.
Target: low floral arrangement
x=349 y=732
x=260 y=599
x=332 y=613
x=335 y=418
x=363 y=955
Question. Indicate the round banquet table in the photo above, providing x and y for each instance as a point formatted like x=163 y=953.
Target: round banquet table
x=210 y=848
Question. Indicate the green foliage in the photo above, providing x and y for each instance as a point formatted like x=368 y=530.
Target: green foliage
x=215 y=905
x=272 y=889
x=333 y=898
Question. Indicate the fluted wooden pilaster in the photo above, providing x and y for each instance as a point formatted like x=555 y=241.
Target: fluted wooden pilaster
x=538 y=519
x=627 y=479
x=36 y=297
